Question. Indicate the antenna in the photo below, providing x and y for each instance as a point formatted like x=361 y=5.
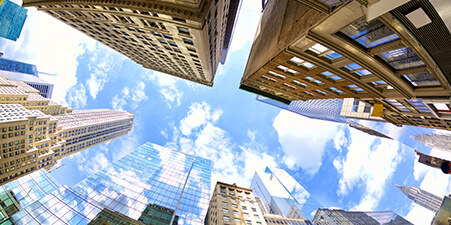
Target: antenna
x=48 y=74
x=57 y=167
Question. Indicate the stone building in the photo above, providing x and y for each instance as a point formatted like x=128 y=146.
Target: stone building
x=186 y=39
x=317 y=49
x=36 y=131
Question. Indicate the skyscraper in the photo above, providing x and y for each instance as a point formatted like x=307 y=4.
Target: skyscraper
x=31 y=138
x=342 y=217
x=12 y=19
x=186 y=39
x=439 y=141
x=422 y=197
x=281 y=194
x=149 y=179
x=315 y=49
x=322 y=109
x=27 y=73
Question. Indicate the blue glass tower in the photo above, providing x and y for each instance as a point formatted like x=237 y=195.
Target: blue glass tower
x=27 y=73
x=19 y=67
x=150 y=178
x=12 y=19
x=281 y=194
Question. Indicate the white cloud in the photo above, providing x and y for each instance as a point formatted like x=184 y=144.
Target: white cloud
x=370 y=162
x=303 y=140
x=44 y=38
x=167 y=86
x=197 y=116
x=138 y=93
x=96 y=162
x=100 y=67
x=132 y=97
x=198 y=134
x=76 y=96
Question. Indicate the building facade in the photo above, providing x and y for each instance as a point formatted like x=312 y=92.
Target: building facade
x=186 y=39
x=434 y=162
x=272 y=219
x=231 y=204
x=315 y=49
x=12 y=19
x=342 y=217
x=36 y=131
x=281 y=194
x=149 y=178
x=422 y=197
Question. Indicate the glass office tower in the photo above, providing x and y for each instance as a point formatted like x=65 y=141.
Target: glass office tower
x=338 y=217
x=281 y=194
x=12 y=19
x=150 y=178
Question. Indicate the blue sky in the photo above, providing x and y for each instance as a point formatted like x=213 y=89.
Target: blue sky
x=339 y=166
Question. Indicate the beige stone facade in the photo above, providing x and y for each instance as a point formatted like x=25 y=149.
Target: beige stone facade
x=186 y=39
x=36 y=132
x=307 y=49
x=231 y=204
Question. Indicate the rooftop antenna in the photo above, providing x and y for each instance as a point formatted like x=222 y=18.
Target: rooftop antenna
x=48 y=74
x=57 y=167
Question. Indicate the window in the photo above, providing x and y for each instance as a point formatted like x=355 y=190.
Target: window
x=226 y=211
x=236 y=213
x=179 y=19
x=224 y=203
x=355 y=105
x=254 y=209
x=318 y=48
x=235 y=206
x=368 y=35
x=402 y=58
x=422 y=79
x=226 y=218
x=183 y=30
x=237 y=221
x=188 y=41
x=367 y=108
x=333 y=56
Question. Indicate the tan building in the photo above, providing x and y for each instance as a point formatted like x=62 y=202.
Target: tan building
x=272 y=219
x=36 y=132
x=316 y=49
x=186 y=39
x=231 y=204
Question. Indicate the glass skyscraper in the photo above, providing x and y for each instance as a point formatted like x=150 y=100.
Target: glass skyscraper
x=338 y=217
x=150 y=179
x=322 y=109
x=12 y=19
x=281 y=194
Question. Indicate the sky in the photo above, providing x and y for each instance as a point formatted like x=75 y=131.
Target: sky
x=339 y=166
